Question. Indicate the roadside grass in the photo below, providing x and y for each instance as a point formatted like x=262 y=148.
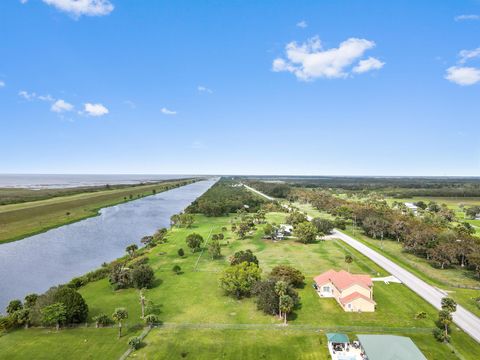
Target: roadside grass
x=422 y=268
x=310 y=210
x=77 y=343
x=20 y=220
x=191 y=306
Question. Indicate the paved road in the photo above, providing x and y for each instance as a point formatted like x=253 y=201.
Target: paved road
x=462 y=317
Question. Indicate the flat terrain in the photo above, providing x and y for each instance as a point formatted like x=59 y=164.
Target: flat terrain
x=24 y=219
x=199 y=320
x=453 y=203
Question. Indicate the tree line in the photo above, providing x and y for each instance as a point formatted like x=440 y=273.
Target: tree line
x=433 y=235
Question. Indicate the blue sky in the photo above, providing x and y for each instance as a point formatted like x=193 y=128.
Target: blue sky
x=240 y=87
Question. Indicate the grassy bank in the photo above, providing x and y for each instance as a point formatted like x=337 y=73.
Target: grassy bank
x=25 y=219
x=200 y=322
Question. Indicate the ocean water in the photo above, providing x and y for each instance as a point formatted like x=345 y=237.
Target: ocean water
x=52 y=181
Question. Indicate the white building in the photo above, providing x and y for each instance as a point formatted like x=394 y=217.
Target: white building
x=412 y=207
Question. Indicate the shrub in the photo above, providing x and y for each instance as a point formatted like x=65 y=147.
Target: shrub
x=13 y=306
x=75 y=306
x=288 y=274
x=243 y=256
x=77 y=283
x=440 y=335
x=102 y=320
x=151 y=319
x=238 y=280
x=181 y=253
x=177 y=269
x=142 y=276
x=134 y=342
x=194 y=241
x=421 y=315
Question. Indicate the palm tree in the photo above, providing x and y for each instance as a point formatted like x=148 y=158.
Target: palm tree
x=348 y=260
x=281 y=290
x=119 y=315
x=130 y=249
x=286 y=306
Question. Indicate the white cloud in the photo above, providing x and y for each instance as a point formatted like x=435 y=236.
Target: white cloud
x=130 y=103
x=2 y=84
x=95 y=109
x=45 y=98
x=309 y=60
x=466 y=55
x=463 y=75
x=166 y=111
x=26 y=95
x=78 y=8
x=60 y=106
x=467 y=17
x=201 y=88
x=23 y=1
x=302 y=24
x=367 y=65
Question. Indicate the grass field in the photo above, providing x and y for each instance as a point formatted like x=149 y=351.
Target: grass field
x=201 y=322
x=80 y=343
x=24 y=219
x=444 y=279
x=452 y=203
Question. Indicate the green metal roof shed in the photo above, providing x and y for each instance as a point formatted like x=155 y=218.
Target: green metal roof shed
x=337 y=338
x=390 y=347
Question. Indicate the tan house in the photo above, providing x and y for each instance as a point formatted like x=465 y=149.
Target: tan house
x=352 y=292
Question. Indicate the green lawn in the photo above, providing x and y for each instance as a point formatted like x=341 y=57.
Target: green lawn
x=200 y=320
x=422 y=268
x=81 y=343
x=24 y=219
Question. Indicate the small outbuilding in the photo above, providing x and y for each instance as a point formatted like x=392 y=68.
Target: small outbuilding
x=389 y=347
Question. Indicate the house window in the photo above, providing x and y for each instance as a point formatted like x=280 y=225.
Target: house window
x=349 y=306
x=326 y=289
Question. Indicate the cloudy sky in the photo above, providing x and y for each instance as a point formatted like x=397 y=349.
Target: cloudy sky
x=240 y=87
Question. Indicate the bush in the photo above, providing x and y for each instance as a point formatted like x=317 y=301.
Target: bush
x=151 y=319
x=306 y=232
x=75 y=306
x=288 y=274
x=120 y=277
x=177 y=269
x=142 y=276
x=76 y=283
x=134 y=342
x=181 y=253
x=194 y=241
x=324 y=226
x=243 y=256
x=440 y=335
x=103 y=320
x=238 y=280
x=421 y=315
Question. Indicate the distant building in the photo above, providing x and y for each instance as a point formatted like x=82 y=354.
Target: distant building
x=352 y=292
x=412 y=207
x=283 y=231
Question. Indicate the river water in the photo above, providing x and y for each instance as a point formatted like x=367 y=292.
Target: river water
x=34 y=264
